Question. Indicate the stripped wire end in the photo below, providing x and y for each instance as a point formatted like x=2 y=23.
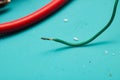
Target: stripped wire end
x=4 y=2
x=46 y=38
x=9 y=0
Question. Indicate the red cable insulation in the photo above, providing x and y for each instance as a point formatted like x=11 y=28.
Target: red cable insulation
x=30 y=19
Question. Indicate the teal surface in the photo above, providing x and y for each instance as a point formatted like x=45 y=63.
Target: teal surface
x=24 y=56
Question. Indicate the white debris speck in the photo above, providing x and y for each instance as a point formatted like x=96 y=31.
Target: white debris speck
x=106 y=51
x=75 y=38
x=65 y=20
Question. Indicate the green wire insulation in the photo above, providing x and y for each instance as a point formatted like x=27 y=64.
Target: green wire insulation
x=92 y=38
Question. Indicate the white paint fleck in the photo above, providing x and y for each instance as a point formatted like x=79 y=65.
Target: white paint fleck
x=65 y=20
x=106 y=52
x=75 y=38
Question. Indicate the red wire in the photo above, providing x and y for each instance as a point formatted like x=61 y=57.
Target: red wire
x=31 y=18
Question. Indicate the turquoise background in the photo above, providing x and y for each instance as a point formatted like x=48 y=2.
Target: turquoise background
x=24 y=56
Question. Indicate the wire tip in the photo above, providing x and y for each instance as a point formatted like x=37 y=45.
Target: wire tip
x=46 y=38
x=4 y=2
x=8 y=0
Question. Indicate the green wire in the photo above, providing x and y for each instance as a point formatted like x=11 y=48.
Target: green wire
x=92 y=38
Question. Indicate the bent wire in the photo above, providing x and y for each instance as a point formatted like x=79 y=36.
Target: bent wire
x=30 y=19
x=92 y=38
